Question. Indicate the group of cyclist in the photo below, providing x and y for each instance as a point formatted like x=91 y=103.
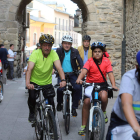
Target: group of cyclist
x=44 y=61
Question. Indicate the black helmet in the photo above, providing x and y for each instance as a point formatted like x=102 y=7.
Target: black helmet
x=98 y=45
x=46 y=38
x=86 y=37
x=38 y=45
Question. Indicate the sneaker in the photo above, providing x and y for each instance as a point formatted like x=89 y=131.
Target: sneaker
x=74 y=113
x=105 y=116
x=82 y=130
x=59 y=107
x=13 y=79
x=31 y=118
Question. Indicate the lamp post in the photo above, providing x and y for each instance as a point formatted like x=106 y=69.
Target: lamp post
x=78 y=12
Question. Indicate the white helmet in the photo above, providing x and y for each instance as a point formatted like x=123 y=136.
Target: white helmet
x=67 y=38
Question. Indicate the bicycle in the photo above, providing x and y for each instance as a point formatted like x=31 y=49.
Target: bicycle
x=95 y=127
x=67 y=101
x=45 y=124
x=1 y=87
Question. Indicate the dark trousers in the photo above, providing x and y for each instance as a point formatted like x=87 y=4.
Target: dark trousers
x=76 y=91
x=11 y=69
x=33 y=94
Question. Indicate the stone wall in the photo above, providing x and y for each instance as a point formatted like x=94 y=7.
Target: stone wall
x=132 y=32
x=102 y=21
x=11 y=29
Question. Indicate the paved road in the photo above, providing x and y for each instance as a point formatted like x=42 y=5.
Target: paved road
x=14 y=112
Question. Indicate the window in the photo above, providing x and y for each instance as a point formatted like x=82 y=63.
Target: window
x=63 y=24
x=59 y=37
x=70 y=25
x=34 y=39
x=55 y=39
x=59 y=23
x=66 y=25
x=55 y=23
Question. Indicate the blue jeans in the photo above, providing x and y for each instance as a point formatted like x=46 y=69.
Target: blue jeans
x=76 y=91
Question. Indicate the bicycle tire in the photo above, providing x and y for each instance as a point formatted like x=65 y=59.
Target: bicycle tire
x=67 y=116
x=50 y=127
x=65 y=106
x=1 y=89
x=38 y=124
x=92 y=135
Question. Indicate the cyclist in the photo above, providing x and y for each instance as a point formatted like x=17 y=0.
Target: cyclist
x=85 y=50
x=39 y=72
x=125 y=116
x=38 y=46
x=68 y=57
x=94 y=76
x=105 y=53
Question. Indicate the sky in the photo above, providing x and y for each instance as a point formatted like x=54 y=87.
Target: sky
x=70 y=6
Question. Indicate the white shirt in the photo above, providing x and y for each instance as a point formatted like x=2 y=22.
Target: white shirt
x=11 y=53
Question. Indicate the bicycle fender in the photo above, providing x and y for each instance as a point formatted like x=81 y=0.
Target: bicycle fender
x=90 y=117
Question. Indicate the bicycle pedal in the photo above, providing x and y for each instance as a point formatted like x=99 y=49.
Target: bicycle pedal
x=82 y=135
x=74 y=116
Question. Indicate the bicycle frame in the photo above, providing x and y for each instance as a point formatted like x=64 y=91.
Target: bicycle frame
x=67 y=92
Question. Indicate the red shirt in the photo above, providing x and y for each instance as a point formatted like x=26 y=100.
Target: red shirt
x=105 y=54
x=94 y=75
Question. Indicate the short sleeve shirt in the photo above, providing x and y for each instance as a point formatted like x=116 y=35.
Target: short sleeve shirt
x=3 y=54
x=11 y=53
x=94 y=75
x=130 y=85
x=42 y=71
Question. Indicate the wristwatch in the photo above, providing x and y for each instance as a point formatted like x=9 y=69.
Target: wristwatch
x=63 y=80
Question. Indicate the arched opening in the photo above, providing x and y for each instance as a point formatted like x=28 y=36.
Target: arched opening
x=81 y=4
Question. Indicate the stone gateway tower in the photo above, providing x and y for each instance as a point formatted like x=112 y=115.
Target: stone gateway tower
x=102 y=20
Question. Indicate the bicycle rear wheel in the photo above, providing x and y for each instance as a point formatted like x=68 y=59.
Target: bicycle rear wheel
x=50 y=129
x=38 y=124
x=1 y=90
x=67 y=115
x=98 y=126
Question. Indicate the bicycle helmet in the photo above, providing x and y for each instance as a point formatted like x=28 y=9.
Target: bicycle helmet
x=38 y=45
x=98 y=45
x=67 y=38
x=138 y=58
x=46 y=38
x=86 y=37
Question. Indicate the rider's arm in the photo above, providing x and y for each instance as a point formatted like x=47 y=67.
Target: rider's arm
x=81 y=76
x=112 y=79
x=57 y=64
x=127 y=101
x=29 y=71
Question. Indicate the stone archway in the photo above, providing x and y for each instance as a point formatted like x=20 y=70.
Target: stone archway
x=102 y=20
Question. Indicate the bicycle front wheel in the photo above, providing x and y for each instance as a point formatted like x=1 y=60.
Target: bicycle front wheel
x=38 y=124
x=67 y=115
x=50 y=129
x=98 y=126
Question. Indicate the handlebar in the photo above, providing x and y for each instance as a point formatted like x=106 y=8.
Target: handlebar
x=98 y=86
x=135 y=136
